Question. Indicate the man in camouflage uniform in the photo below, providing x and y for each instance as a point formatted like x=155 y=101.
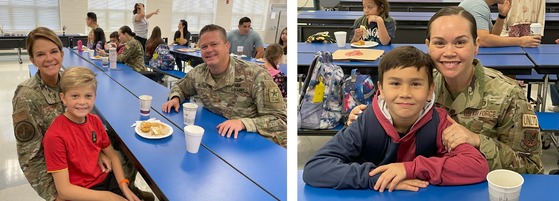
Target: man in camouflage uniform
x=495 y=109
x=242 y=92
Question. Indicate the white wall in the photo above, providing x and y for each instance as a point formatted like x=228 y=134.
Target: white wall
x=73 y=14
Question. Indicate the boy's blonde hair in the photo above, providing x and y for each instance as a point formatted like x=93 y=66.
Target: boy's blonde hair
x=77 y=77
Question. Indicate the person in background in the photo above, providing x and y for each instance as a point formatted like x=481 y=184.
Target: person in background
x=140 y=23
x=240 y=91
x=114 y=42
x=491 y=110
x=91 y=22
x=489 y=33
x=397 y=144
x=98 y=39
x=247 y=38
x=74 y=168
x=132 y=54
x=283 y=42
x=153 y=41
x=521 y=15
x=375 y=24
x=272 y=59
x=181 y=37
x=36 y=103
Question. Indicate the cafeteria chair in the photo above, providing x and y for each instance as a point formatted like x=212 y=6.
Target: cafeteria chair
x=329 y=5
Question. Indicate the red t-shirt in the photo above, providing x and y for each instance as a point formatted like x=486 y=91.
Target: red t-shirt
x=76 y=147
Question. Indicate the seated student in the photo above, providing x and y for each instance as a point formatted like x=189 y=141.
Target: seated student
x=132 y=54
x=98 y=39
x=114 y=42
x=181 y=37
x=74 y=140
x=272 y=57
x=375 y=25
x=397 y=143
x=153 y=41
x=489 y=33
x=283 y=42
x=246 y=38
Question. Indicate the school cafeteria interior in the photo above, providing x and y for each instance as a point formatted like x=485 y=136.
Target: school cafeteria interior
x=222 y=169
x=412 y=16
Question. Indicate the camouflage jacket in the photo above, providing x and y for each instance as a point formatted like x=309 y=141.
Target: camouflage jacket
x=35 y=106
x=133 y=55
x=495 y=107
x=247 y=92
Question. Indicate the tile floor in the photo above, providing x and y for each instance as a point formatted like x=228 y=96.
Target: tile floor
x=13 y=185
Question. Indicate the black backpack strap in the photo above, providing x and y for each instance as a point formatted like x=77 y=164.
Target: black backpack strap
x=426 y=137
x=308 y=78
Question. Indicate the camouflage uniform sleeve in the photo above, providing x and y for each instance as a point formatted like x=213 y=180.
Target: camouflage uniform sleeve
x=518 y=144
x=184 y=88
x=29 y=136
x=271 y=119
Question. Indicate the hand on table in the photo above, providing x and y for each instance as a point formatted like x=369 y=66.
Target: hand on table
x=229 y=127
x=530 y=41
x=174 y=102
x=391 y=175
x=411 y=185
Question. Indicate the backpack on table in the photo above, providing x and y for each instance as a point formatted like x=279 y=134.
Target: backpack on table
x=357 y=89
x=320 y=101
x=162 y=58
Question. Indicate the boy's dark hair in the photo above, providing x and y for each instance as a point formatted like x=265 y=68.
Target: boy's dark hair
x=405 y=57
x=454 y=10
x=114 y=35
x=213 y=27
x=243 y=20
x=92 y=16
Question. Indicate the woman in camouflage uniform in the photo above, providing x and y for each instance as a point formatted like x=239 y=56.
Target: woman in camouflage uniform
x=492 y=112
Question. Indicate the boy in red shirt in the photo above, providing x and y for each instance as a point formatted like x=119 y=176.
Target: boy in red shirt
x=74 y=140
x=397 y=142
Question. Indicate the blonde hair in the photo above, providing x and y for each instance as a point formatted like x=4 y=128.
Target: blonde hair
x=77 y=77
x=273 y=53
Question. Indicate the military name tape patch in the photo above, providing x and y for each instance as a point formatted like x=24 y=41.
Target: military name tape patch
x=530 y=121
x=24 y=131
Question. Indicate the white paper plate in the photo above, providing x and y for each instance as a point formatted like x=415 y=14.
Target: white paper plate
x=368 y=44
x=94 y=58
x=149 y=136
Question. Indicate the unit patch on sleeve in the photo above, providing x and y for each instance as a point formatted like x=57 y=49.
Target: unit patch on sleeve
x=24 y=131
